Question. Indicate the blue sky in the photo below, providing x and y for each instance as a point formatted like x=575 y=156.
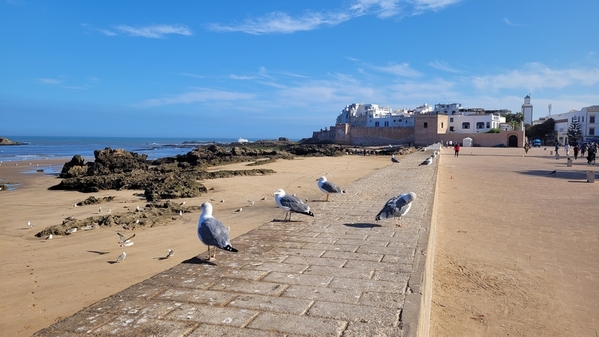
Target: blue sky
x=268 y=69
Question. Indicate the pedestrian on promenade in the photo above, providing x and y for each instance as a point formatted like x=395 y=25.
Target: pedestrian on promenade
x=456 y=149
x=591 y=152
x=556 y=149
x=526 y=148
x=576 y=150
x=583 y=149
x=567 y=148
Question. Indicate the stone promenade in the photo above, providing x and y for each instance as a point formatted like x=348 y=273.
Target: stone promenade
x=337 y=274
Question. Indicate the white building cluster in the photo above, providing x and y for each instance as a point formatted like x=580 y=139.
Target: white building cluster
x=587 y=117
x=461 y=120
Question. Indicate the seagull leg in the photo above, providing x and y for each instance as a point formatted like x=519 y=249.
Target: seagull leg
x=327 y=197
x=397 y=222
x=209 y=255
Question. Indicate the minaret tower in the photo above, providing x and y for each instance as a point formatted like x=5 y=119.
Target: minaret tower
x=527 y=110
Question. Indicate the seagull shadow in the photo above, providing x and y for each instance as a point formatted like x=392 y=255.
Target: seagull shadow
x=279 y=220
x=197 y=260
x=112 y=262
x=161 y=258
x=362 y=225
x=97 y=252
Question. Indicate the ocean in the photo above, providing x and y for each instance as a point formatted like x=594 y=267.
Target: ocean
x=37 y=148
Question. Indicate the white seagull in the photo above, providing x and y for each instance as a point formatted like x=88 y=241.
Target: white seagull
x=212 y=232
x=328 y=187
x=428 y=161
x=291 y=203
x=30 y=224
x=121 y=257
x=169 y=253
x=49 y=237
x=124 y=241
x=393 y=159
x=396 y=207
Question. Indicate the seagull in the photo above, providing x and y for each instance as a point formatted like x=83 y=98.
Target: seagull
x=180 y=213
x=396 y=207
x=124 y=241
x=393 y=159
x=553 y=172
x=183 y=203
x=86 y=228
x=109 y=211
x=100 y=210
x=30 y=224
x=291 y=204
x=212 y=232
x=239 y=209
x=250 y=202
x=328 y=187
x=138 y=209
x=264 y=198
x=49 y=237
x=72 y=230
x=428 y=161
x=223 y=200
x=169 y=253
x=121 y=257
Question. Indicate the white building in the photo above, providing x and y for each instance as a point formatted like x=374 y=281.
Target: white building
x=588 y=117
x=447 y=109
x=527 y=110
x=371 y=115
x=474 y=123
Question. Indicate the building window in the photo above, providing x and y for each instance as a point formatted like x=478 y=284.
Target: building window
x=480 y=125
x=488 y=125
x=425 y=125
x=466 y=125
x=376 y=123
x=592 y=119
x=450 y=119
x=451 y=129
x=591 y=131
x=441 y=125
x=387 y=123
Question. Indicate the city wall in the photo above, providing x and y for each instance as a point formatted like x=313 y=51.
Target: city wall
x=358 y=135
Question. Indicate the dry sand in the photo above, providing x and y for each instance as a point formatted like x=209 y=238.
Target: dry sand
x=43 y=281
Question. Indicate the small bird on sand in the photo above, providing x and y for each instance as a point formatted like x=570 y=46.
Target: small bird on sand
x=49 y=237
x=396 y=207
x=124 y=241
x=212 y=232
x=169 y=253
x=393 y=159
x=30 y=224
x=121 y=257
x=427 y=161
x=291 y=203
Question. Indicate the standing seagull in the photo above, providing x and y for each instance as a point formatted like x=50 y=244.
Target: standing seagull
x=212 y=232
x=121 y=257
x=393 y=159
x=428 y=161
x=397 y=207
x=291 y=203
x=328 y=187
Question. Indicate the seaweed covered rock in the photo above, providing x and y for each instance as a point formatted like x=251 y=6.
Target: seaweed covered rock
x=109 y=161
x=74 y=168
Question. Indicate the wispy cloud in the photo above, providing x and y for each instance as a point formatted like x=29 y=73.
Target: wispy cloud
x=403 y=70
x=155 y=31
x=283 y=23
x=198 y=95
x=510 y=23
x=53 y=81
x=535 y=76
x=442 y=65
x=279 y=22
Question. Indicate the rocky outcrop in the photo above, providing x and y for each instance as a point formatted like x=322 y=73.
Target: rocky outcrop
x=6 y=141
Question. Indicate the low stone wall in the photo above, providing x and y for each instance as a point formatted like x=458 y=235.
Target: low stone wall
x=478 y=139
x=346 y=134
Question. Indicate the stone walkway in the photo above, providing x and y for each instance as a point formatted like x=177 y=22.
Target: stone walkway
x=337 y=274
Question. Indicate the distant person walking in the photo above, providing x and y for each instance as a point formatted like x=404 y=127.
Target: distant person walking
x=526 y=148
x=576 y=150
x=556 y=149
x=456 y=149
x=583 y=149
x=591 y=152
x=567 y=148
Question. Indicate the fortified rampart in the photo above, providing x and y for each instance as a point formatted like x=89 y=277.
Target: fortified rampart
x=360 y=135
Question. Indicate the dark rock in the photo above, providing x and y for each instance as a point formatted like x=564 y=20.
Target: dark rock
x=6 y=141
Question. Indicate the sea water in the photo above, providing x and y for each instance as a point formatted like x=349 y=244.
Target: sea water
x=45 y=147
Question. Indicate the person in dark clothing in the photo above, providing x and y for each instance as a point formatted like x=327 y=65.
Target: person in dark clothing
x=456 y=149
x=576 y=150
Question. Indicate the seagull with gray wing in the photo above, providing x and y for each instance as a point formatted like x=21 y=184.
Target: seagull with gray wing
x=212 y=232
x=396 y=207
x=291 y=204
x=328 y=187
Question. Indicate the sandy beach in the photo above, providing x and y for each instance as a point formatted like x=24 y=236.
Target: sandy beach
x=46 y=280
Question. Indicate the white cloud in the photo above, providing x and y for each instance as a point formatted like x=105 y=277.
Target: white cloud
x=399 y=70
x=50 y=81
x=279 y=22
x=442 y=65
x=241 y=77
x=155 y=31
x=199 y=95
x=536 y=76
x=510 y=23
